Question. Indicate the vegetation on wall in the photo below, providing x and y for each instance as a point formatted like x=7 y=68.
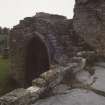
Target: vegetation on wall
x=4 y=63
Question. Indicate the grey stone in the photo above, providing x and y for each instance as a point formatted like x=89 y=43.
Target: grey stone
x=39 y=82
x=89 y=23
x=73 y=97
x=38 y=42
x=16 y=97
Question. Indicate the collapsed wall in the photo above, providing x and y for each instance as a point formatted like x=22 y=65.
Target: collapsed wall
x=89 y=23
x=39 y=42
x=44 y=40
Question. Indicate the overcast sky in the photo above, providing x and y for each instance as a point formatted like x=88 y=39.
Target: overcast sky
x=11 y=11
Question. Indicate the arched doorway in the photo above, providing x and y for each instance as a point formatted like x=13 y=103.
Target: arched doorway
x=37 y=59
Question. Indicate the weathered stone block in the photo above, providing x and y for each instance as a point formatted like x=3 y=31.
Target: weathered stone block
x=39 y=82
x=89 y=23
x=21 y=96
x=16 y=97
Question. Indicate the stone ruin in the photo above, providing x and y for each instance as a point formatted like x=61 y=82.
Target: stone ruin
x=47 y=50
x=89 y=23
x=39 y=42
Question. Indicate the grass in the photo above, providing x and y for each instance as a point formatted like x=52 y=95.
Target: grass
x=4 y=69
x=5 y=86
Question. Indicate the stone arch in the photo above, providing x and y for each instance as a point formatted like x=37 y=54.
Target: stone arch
x=36 y=60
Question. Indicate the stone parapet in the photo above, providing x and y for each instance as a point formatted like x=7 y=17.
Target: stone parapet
x=45 y=82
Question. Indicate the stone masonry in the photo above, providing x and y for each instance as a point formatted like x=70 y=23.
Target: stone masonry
x=47 y=50
x=39 y=42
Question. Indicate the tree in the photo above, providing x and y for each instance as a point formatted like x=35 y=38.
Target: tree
x=5 y=31
x=0 y=30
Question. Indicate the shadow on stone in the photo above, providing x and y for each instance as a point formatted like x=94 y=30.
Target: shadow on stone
x=37 y=59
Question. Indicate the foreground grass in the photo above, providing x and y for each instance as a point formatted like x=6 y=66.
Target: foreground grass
x=5 y=85
x=4 y=69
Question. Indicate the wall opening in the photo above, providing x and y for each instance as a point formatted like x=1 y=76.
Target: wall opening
x=37 y=59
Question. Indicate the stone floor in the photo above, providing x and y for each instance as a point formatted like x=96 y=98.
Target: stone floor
x=66 y=96
x=74 y=97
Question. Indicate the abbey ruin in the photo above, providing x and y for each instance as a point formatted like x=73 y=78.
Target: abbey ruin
x=39 y=42
x=47 y=50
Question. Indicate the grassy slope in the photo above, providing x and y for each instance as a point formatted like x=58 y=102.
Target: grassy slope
x=4 y=77
x=4 y=66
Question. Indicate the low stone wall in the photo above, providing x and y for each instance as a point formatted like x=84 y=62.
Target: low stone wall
x=42 y=85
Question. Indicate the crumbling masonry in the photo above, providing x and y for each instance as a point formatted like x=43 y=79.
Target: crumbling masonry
x=39 y=42
x=42 y=48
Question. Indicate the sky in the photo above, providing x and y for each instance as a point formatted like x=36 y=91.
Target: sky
x=11 y=11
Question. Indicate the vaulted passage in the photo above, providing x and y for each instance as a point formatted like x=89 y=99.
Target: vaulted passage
x=37 y=59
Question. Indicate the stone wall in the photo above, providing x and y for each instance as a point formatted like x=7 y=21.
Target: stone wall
x=89 y=23
x=43 y=26
x=60 y=40
x=57 y=35
x=42 y=87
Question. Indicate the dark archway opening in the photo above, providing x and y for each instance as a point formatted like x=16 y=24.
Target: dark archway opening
x=37 y=59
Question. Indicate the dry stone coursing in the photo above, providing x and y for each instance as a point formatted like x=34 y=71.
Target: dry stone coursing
x=89 y=23
x=40 y=41
x=61 y=81
x=40 y=89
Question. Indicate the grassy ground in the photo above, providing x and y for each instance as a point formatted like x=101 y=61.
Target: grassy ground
x=4 y=76
x=4 y=68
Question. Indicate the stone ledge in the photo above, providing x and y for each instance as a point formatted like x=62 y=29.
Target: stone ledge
x=20 y=96
x=47 y=80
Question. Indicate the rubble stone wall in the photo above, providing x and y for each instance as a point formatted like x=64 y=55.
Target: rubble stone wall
x=57 y=34
x=62 y=39
x=89 y=23
x=42 y=86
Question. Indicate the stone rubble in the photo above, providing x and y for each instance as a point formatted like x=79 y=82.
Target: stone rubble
x=76 y=50
x=89 y=23
x=38 y=90
x=61 y=82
